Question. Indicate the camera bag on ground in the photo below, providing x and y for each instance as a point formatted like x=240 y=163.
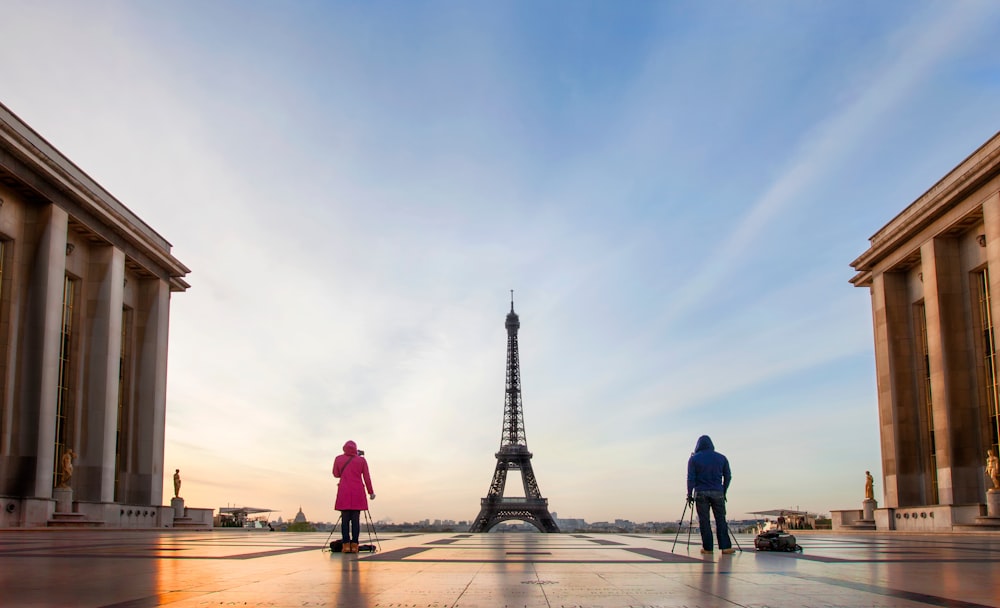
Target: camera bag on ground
x=337 y=546
x=776 y=540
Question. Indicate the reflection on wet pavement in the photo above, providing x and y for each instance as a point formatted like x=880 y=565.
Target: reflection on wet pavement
x=236 y=568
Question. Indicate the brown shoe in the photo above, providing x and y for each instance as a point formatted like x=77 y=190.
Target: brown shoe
x=354 y=547
x=706 y=551
x=729 y=551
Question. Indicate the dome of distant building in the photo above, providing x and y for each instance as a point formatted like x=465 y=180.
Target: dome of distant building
x=300 y=517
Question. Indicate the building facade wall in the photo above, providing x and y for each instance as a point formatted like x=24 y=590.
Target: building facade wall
x=934 y=277
x=85 y=291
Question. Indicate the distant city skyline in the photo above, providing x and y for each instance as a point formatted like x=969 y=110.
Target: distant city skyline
x=569 y=522
x=674 y=190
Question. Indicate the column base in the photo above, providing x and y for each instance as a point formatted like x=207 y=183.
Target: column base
x=993 y=503
x=868 y=508
x=64 y=499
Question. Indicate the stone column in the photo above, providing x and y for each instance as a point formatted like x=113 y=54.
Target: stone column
x=105 y=286
x=41 y=348
x=937 y=341
x=952 y=365
x=991 y=223
x=151 y=323
x=897 y=402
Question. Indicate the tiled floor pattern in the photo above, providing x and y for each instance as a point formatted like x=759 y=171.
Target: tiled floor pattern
x=251 y=569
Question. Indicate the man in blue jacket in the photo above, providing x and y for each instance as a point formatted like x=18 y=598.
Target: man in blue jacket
x=708 y=480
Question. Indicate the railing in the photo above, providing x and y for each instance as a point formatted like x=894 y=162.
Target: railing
x=513 y=450
x=533 y=502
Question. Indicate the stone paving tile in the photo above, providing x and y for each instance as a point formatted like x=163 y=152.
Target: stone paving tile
x=116 y=569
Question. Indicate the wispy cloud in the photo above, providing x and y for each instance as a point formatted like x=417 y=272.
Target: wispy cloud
x=911 y=56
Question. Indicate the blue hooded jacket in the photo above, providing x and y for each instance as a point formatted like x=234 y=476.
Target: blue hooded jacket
x=707 y=469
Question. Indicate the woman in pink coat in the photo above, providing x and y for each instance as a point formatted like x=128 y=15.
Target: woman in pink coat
x=352 y=470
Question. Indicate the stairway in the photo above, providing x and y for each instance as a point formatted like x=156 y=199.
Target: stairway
x=72 y=520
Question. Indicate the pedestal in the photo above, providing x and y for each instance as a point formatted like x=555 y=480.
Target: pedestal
x=64 y=499
x=177 y=504
x=868 y=508
x=993 y=503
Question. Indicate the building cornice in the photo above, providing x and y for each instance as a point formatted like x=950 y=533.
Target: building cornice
x=41 y=158
x=971 y=174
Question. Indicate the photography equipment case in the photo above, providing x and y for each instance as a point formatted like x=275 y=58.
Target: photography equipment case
x=776 y=540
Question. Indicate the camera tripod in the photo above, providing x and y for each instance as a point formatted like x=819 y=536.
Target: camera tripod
x=369 y=525
x=689 y=508
x=372 y=532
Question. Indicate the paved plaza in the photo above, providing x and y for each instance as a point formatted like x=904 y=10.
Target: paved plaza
x=235 y=568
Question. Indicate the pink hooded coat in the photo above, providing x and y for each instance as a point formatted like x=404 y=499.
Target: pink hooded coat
x=351 y=471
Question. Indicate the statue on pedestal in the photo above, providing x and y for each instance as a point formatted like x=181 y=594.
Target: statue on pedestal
x=177 y=483
x=869 y=486
x=993 y=469
x=66 y=468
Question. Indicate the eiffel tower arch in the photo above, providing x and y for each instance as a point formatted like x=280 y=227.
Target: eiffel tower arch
x=513 y=455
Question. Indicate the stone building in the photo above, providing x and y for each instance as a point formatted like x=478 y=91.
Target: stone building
x=85 y=289
x=934 y=277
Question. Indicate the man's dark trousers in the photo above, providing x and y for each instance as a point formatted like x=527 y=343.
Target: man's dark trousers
x=715 y=501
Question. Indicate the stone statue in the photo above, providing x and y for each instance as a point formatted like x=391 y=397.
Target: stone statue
x=869 y=486
x=177 y=483
x=993 y=468
x=66 y=467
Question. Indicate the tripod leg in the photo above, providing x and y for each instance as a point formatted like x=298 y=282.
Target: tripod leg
x=691 y=526
x=326 y=545
x=680 y=524
x=733 y=536
x=372 y=530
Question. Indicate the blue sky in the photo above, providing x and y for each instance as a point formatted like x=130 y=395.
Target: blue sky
x=674 y=190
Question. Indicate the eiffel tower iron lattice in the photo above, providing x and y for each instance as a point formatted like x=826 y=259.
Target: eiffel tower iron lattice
x=513 y=455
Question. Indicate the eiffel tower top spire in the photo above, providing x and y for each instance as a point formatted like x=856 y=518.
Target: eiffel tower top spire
x=513 y=414
x=512 y=320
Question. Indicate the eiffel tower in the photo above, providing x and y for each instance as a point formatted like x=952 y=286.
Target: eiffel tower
x=513 y=454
